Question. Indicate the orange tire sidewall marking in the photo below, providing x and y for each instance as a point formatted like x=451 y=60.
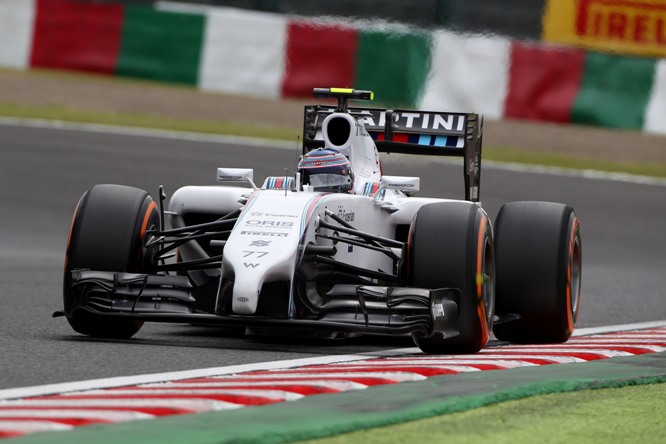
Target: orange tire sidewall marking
x=481 y=304
x=572 y=243
x=71 y=230
x=144 y=227
x=146 y=218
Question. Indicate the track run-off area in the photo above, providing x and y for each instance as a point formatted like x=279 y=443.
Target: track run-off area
x=61 y=407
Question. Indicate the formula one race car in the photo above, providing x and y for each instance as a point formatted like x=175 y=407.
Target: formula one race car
x=338 y=248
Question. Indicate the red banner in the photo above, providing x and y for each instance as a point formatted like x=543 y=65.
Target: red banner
x=77 y=36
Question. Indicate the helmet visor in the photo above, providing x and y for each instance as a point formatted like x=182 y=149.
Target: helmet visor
x=330 y=182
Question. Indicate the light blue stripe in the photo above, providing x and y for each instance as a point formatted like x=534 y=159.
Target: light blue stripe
x=440 y=141
x=424 y=139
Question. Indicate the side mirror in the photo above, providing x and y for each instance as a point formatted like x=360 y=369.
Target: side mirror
x=402 y=183
x=236 y=175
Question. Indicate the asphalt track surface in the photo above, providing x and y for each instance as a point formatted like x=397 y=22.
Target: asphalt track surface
x=44 y=171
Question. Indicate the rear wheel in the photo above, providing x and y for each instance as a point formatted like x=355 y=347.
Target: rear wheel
x=108 y=233
x=451 y=245
x=538 y=250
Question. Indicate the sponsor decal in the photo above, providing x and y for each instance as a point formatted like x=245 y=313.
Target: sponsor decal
x=415 y=122
x=269 y=223
x=360 y=130
x=234 y=174
x=272 y=214
x=347 y=216
x=438 y=310
x=281 y=215
x=257 y=254
x=263 y=233
x=402 y=183
x=250 y=265
x=243 y=299
x=260 y=243
x=624 y=26
x=474 y=193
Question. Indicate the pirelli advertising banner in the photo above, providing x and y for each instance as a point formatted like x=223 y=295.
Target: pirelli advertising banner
x=636 y=27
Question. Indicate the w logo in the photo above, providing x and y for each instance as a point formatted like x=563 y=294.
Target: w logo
x=250 y=265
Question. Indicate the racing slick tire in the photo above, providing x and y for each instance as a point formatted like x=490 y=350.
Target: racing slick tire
x=451 y=245
x=107 y=234
x=538 y=253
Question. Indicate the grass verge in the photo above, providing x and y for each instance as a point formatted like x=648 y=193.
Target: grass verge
x=589 y=416
x=501 y=154
x=67 y=114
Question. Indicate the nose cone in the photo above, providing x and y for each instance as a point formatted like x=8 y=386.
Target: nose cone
x=265 y=243
x=247 y=287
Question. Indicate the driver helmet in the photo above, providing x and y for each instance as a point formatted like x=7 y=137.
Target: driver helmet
x=326 y=170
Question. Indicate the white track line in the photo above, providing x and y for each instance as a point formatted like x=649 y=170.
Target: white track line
x=617 y=328
x=459 y=364
x=338 y=386
x=572 y=172
x=121 y=381
x=192 y=392
x=297 y=376
x=25 y=427
x=190 y=405
x=55 y=414
x=147 y=132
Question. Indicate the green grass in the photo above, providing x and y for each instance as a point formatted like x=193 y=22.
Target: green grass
x=68 y=114
x=581 y=163
x=617 y=415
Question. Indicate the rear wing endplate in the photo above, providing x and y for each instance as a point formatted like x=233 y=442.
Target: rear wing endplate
x=412 y=132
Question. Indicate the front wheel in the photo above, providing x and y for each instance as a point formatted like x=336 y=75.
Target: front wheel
x=539 y=264
x=108 y=233
x=451 y=246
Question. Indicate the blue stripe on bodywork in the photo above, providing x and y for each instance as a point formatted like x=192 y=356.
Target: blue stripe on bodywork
x=425 y=139
x=441 y=140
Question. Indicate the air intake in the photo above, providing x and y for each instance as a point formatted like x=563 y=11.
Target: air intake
x=337 y=130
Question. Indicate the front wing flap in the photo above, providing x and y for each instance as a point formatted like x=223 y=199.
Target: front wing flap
x=351 y=308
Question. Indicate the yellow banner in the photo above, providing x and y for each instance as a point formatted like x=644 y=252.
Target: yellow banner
x=636 y=27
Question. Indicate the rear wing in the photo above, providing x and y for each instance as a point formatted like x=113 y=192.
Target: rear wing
x=412 y=132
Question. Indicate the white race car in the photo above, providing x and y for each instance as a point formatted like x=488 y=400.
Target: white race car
x=338 y=248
